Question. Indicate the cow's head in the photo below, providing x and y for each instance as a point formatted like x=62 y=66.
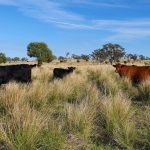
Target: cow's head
x=119 y=68
x=33 y=65
x=71 y=69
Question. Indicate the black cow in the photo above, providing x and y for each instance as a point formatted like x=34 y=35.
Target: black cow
x=60 y=72
x=19 y=73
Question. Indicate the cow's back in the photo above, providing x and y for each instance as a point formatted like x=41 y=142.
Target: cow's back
x=137 y=74
x=19 y=73
x=60 y=72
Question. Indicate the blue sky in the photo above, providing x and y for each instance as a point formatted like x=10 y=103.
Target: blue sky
x=75 y=26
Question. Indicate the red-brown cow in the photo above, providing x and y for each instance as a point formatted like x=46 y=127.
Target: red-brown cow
x=136 y=74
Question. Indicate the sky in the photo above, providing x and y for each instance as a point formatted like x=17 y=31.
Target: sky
x=74 y=26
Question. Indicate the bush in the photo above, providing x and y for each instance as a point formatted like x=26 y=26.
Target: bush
x=63 y=60
x=78 y=60
x=106 y=62
x=125 y=62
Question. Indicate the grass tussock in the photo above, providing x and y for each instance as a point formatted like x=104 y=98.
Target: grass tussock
x=112 y=122
x=12 y=94
x=143 y=92
x=105 y=82
x=37 y=95
x=143 y=141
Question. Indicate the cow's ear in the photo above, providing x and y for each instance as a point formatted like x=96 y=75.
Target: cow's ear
x=114 y=66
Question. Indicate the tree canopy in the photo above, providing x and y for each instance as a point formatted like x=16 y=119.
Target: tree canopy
x=16 y=59
x=85 y=57
x=40 y=51
x=3 y=58
x=109 y=51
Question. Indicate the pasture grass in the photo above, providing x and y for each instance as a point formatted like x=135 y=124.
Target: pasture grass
x=90 y=109
x=144 y=92
x=105 y=80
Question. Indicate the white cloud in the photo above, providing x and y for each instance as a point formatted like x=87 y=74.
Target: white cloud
x=100 y=3
x=125 y=29
x=55 y=12
x=43 y=9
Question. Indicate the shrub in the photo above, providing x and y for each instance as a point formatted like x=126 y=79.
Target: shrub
x=125 y=62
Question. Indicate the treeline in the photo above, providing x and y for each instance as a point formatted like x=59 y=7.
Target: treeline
x=4 y=59
x=108 y=53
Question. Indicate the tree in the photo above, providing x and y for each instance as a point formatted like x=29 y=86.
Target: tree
x=24 y=59
x=74 y=56
x=114 y=51
x=77 y=57
x=3 y=58
x=141 y=57
x=132 y=56
x=16 y=59
x=62 y=59
x=99 y=55
x=85 y=57
x=41 y=51
x=67 y=54
x=8 y=59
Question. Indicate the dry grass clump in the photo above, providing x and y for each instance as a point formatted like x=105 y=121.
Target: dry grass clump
x=112 y=122
x=105 y=81
x=71 y=89
x=22 y=127
x=127 y=88
x=42 y=74
x=77 y=125
x=76 y=118
x=12 y=94
x=143 y=123
x=143 y=92
x=26 y=128
x=37 y=94
x=52 y=138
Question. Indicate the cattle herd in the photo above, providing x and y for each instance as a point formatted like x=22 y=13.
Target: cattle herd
x=22 y=73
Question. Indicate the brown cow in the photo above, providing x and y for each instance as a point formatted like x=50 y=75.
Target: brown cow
x=136 y=74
